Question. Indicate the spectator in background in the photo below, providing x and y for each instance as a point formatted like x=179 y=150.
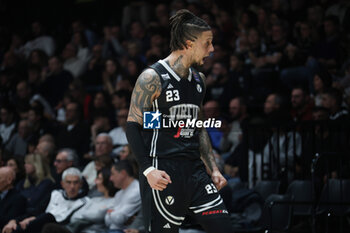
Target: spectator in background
x=216 y=81
x=103 y=147
x=34 y=77
x=112 y=47
x=19 y=142
x=64 y=159
x=328 y=50
x=332 y=101
x=63 y=203
x=74 y=133
x=301 y=105
x=40 y=41
x=39 y=58
x=8 y=123
x=100 y=104
x=118 y=133
x=12 y=203
x=80 y=42
x=56 y=81
x=322 y=82
x=239 y=83
x=211 y=109
x=111 y=75
x=25 y=97
x=40 y=124
x=90 y=218
x=120 y=100
x=18 y=166
x=101 y=123
x=127 y=201
x=71 y=62
x=46 y=149
x=94 y=70
x=79 y=26
x=232 y=136
x=37 y=184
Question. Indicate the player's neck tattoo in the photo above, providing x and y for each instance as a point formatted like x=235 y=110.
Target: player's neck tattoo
x=179 y=68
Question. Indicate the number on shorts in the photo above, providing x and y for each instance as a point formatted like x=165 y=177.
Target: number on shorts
x=211 y=188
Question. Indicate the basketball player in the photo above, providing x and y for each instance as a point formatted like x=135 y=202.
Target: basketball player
x=173 y=178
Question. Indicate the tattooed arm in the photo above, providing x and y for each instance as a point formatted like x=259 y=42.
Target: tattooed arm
x=146 y=90
x=207 y=155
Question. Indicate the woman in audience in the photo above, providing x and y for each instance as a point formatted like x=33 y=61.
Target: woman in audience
x=38 y=183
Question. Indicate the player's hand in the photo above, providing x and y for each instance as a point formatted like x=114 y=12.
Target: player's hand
x=158 y=179
x=218 y=179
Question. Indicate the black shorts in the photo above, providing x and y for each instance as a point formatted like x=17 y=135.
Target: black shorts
x=191 y=192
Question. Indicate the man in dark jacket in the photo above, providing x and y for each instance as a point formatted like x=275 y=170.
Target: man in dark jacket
x=12 y=204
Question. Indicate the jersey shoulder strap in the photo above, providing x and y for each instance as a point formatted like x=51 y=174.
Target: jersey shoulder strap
x=163 y=74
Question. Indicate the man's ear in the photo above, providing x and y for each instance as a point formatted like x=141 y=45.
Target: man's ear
x=189 y=44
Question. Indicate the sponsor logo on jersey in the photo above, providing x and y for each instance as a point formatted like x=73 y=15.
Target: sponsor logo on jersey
x=167 y=226
x=152 y=120
x=170 y=86
x=215 y=212
x=169 y=200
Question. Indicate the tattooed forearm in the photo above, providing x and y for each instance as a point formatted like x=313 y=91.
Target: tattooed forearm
x=206 y=150
x=147 y=88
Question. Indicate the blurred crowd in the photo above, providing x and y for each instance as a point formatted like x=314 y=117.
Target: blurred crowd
x=279 y=79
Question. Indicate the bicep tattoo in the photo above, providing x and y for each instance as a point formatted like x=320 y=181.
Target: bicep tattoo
x=147 y=88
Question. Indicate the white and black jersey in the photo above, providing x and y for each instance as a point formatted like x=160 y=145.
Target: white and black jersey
x=179 y=104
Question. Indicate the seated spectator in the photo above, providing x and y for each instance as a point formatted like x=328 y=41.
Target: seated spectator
x=17 y=165
x=66 y=158
x=111 y=74
x=301 y=105
x=211 y=110
x=74 y=133
x=126 y=154
x=103 y=147
x=37 y=184
x=322 y=81
x=90 y=218
x=233 y=135
x=8 y=123
x=80 y=42
x=118 y=134
x=56 y=81
x=63 y=204
x=41 y=125
x=47 y=150
x=100 y=123
x=332 y=100
x=40 y=41
x=127 y=201
x=71 y=62
x=19 y=142
x=12 y=203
